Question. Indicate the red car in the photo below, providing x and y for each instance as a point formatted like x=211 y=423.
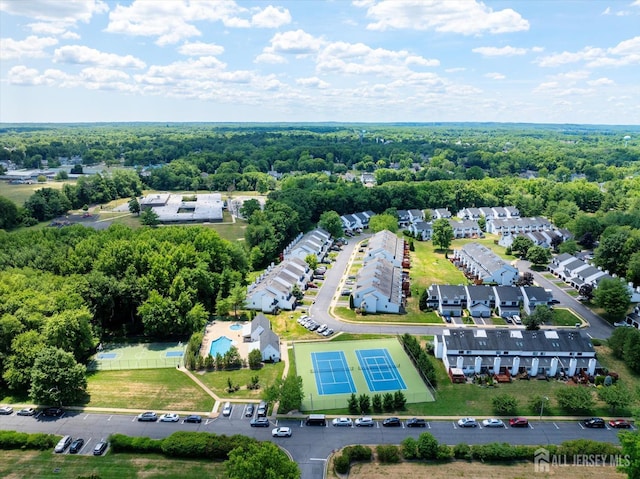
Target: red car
x=620 y=423
x=519 y=422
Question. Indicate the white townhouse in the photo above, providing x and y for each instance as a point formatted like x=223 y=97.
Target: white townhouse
x=379 y=287
x=533 y=296
x=501 y=226
x=482 y=264
x=421 y=230
x=387 y=245
x=416 y=216
x=259 y=333
x=465 y=228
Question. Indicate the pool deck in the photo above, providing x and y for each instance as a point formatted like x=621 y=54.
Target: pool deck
x=217 y=329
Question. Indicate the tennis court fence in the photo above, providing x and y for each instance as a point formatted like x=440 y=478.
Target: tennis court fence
x=374 y=367
x=120 y=364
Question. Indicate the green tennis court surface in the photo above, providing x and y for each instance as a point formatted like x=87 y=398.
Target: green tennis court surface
x=137 y=356
x=331 y=371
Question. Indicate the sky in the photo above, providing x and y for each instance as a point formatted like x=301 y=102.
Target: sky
x=374 y=61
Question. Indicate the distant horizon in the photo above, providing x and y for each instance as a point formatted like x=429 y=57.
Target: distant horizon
x=573 y=62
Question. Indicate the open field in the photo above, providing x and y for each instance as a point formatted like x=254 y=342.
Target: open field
x=159 y=389
x=20 y=193
x=476 y=470
x=45 y=465
x=217 y=381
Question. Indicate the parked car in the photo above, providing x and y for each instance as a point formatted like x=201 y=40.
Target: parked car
x=63 y=444
x=519 y=422
x=328 y=332
x=312 y=285
x=342 y=422
x=263 y=408
x=620 y=424
x=193 y=418
x=416 y=422
x=365 y=422
x=467 y=422
x=148 y=416
x=516 y=319
x=53 y=412
x=322 y=329
x=622 y=324
x=6 y=410
x=249 y=411
x=313 y=327
x=281 y=432
x=99 y=448
x=259 y=422
x=492 y=422
x=593 y=422
x=169 y=417
x=27 y=411
x=392 y=422
x=76 y=446
x=345 y=292
x=226 y=410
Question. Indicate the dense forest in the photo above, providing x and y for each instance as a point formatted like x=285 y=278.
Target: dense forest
x=62 y=290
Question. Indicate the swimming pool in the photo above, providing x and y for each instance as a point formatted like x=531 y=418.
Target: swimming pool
x=235 y=327
x=220 y=345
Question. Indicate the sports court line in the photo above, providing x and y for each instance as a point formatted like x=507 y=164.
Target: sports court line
x=332 y=362
x=389 y=364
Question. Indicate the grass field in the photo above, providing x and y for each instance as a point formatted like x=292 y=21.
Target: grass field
x=217 y=381
x=416 y=390
x=20 y=193
x=45 y=465
x=564 y=317
x=159 y=389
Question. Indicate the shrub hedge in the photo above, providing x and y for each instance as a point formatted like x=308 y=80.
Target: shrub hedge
x=22 y=440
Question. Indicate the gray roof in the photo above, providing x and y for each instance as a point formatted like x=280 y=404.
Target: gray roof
x=536 y=293
x=484 y=258
x=479 y=293
x=492 y=340
x=268 y=337
x=450 y=291
x=508 y=293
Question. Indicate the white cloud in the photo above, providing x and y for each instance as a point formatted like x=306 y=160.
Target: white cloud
x=601 y=81
x=607 y=11
x=172 y=21
x=455 y=69
x=85 y=55
x=296 y=42
x=70 y=35
x=272 y=58
x=198 y=49
x=30 y=47
x=624 y=53
x=313 y=82
x=495 y=76
x=466 y=17
x=418 y=60
x=271 y=17
x=22 y=75
x=68 y=12
x=499 y=51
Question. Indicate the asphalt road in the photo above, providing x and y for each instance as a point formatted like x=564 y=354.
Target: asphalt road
x=309 y=446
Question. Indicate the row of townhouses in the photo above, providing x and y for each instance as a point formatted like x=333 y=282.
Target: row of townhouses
x=548 y=352
x=577 y=272
x=356 y=221
x=273 y=289
x=481 y=300
x=544 y=238
x=381 y=284
x=482 y=265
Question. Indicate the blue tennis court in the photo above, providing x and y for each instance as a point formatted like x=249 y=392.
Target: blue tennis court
x=332 y=373
x=379 y=370
x=174 y=354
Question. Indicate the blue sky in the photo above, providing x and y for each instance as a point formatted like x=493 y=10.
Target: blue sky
x=544 y=61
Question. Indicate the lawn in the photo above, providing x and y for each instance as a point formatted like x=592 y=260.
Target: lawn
x=20 y=193
x=164 y=389
x=44 y=465
x=564 y=317
x=217 y=381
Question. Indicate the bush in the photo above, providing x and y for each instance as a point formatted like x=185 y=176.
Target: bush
x=388 y=454
x=586 y=446
x=376 y=403
x=409 y=447
x=23 y=440
x=358 y=453
x=341 y=464
x=40 y=441
x=388 y=402
x=445 y=453
x=123 y=443
x=427 y=446
x=504 y=405
x=462 y=451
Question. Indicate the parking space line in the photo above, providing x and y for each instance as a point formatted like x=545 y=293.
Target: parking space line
x=531 y=425
x=454 y=425
x=109 y=418
x=557 y=427
x=429 y=425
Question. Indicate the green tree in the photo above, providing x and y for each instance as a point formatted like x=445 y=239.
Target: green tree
x=569 y=247
x=619 y=338
x=134 y=206
x=56 y=378
x=312 y=261
x=399 y=400
x=575 y=399
x=237 y=297
x=631 y=352
x=613 y=296
x=504 y=404
x=633 y=268
x=9 y=216
x=249 y=207
x=291 y=394
x=376 y=403
x=255 y=359
x=539 y=255
x=25 y=348
x=364 y=404
x=264 y=460
x=630 y=442
x=352 y=404
x=388 y=402
x=541 y=315
x=617 y=396
x=330 y=221
x=149 y=217
x=159 y=315
x=70 y=330
x=442 y=235
x=383 y=222
x=521 y=245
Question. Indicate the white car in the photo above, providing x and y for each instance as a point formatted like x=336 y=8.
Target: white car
x=492 y=422
x=281 y=432
x=467 y=422
x=365 y=422
x=6 y=410
x=322 y=329
x=342 y=421
x=169 y=417
x=516 y=319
